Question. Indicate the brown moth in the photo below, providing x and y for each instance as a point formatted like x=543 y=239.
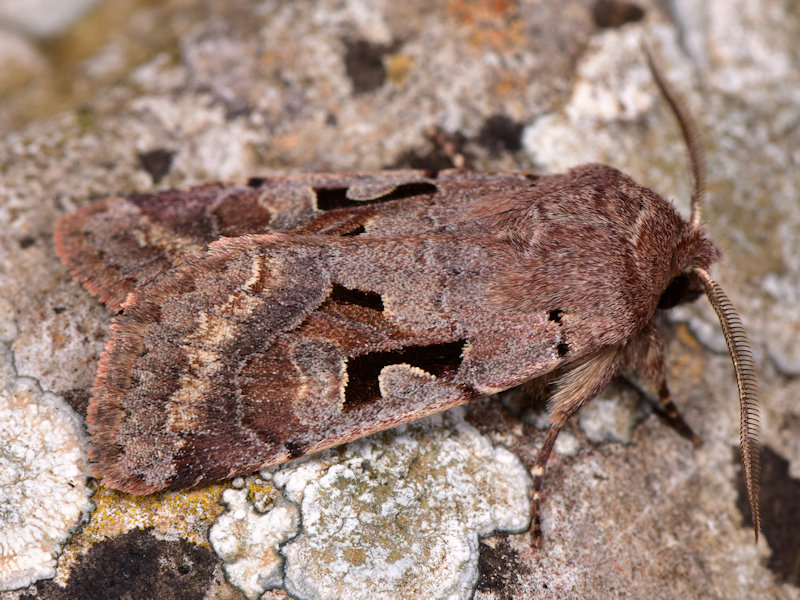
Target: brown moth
x=265 y=322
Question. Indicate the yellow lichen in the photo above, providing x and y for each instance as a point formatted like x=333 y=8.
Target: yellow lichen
x=259 y=493
x=397 y=67
x=186 y=515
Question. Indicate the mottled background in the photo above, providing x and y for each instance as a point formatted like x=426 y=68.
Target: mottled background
x=133 y=95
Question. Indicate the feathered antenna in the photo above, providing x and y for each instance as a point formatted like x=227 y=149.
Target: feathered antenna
x=742 y=358
x=732 y=328
x=691 y=136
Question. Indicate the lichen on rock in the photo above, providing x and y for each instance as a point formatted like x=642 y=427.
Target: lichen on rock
x=43 y=492
x=248 y=541
x=399 y=514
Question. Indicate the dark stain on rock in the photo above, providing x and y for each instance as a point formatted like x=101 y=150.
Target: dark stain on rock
x=156 y=162
x=613 y=13
x=137 y=565
x=500 y=569
x=363 y=63
x=443 y=148
x=780 y=519
x=499 y=134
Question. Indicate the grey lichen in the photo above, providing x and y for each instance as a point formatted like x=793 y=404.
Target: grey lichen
x=613 y=415
x=399 y=514
x=248 y=542
x=395 y=515
x=43 y=492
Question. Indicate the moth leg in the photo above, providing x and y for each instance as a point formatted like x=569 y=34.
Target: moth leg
x=674 y=418
x=646 y=355
x=575 y=388
x=538 y=478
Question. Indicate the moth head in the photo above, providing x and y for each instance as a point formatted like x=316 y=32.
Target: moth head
x=692 y=280
x=684 y=287
x=694 y=250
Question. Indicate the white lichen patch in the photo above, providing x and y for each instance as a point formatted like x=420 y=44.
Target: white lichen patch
x=43 y=492
x=248 y=541
x=612 y=84
x=399 y=514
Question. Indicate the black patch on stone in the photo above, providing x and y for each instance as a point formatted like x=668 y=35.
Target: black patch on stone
x=26 y=242
x=555 y=315
x=499 y=134
x=437 y=158
x=780 y=519
x=562 y=349
x=614 y=13
x=156 y=162
x=235 y=107
x=296 y=449
x=137 y=565
x=499 y=570
x=363 y=63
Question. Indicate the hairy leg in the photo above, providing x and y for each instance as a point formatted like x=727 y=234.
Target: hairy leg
x=574 y=388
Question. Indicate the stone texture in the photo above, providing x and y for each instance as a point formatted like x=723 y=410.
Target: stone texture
x=42 y=18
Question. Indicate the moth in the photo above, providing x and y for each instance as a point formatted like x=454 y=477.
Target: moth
x=263 y=322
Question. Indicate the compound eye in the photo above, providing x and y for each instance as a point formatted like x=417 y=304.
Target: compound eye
x=682 y=288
